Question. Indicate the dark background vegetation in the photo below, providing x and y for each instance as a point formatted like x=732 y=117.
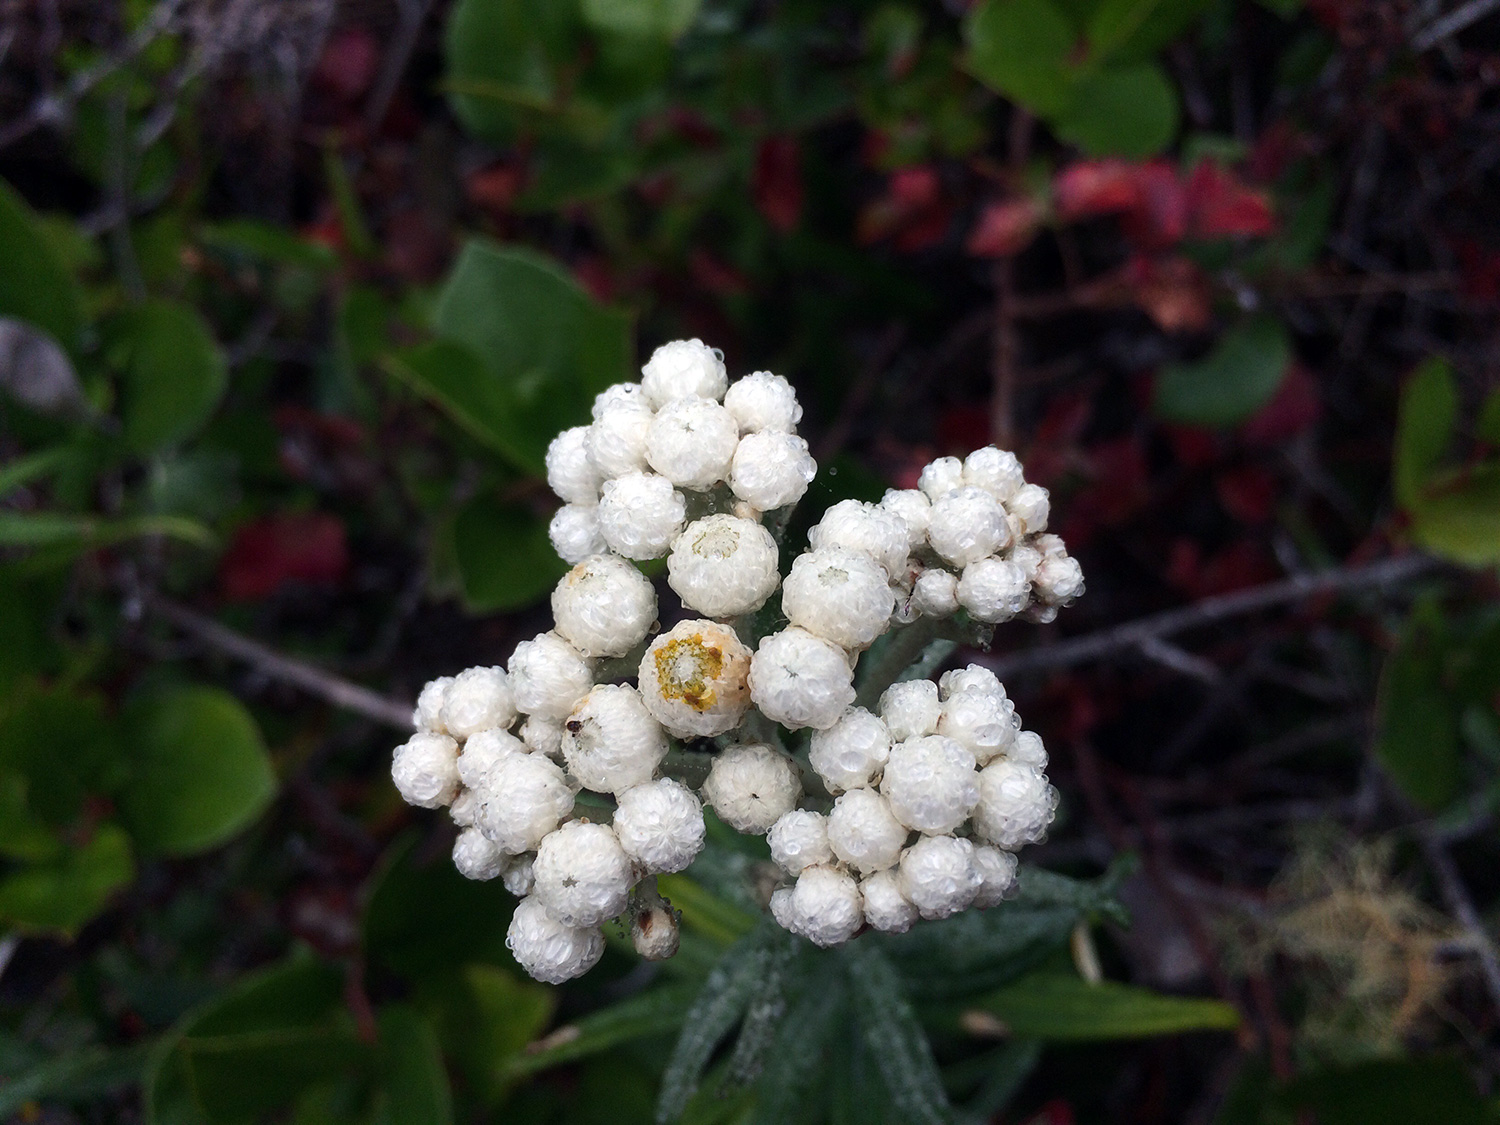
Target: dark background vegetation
x=292 y=296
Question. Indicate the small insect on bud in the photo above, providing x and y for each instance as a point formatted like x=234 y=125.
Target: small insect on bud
x=654 y=931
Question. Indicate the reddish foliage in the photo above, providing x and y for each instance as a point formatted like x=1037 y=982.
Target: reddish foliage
x=1158 y=207
x=1172 y=291
x=349 y=63
x=1056 y=438
x=1194 y=447
x=1160 y=219
x=1294 y=408
x=1004 y=227
x=1248 y=494
x=417 y=247
x=1240 y=565
x=693 y=127
x=1220 y=206
x=912 y=212
x=777 y=182
x=716 y=275
x=962 y=428
x=274 y=550
x=1095 y=187
x=1120 y=487
x=495 y=188
x=594 y=273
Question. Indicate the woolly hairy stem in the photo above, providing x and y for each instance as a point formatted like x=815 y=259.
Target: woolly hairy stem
x=904 y=648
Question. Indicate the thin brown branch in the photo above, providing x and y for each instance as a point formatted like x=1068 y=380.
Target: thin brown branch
x=1461 y=905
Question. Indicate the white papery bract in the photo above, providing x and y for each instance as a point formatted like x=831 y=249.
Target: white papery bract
x=660 y=825
x=935 y=592
x=640 y=514
x=824 y=906
x=695 y=679
x=464 y=810
x=1058 y=579
x=983 y=721
x=1028 y=750
x=542 y=736
x=867 y=528
x=931 y=783
x=915 y=510
x=654 y=932
x=966 y=525
x=799 y=839
x=941 y=477
x=604 y=606
x=1015 y=804
x=864 y=833
x=723 y=566
x=482 y=752
x=548 y=950
x=971 y=677
x=610 y=741
x=616 y=442
x=583 y=875
x=851 y=753
x=997 y=471
x=771 y=469
x=763 y=402
x=570 y=473
x=548 y=676
x=428 y=715
x=938 y=876
x=886 y=908
x=841 y=596
x=519 y=876
x=1031 y=505
x=524 y=797
x=997 y=875
x=751 y=787
x=993 y=590
x=425 y=770
x=692 y=443
x=477 y=857
x=683 y=369
x=476 y=700
x=800 y=680
x=911 y=709
x=575 y=533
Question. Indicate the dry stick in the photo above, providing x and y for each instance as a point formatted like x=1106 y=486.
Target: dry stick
x=1456 y=895
x=1454 y=22
x=284 y=669
x=1144 y=630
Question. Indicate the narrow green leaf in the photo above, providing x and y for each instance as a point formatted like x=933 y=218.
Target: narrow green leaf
x=1005 y=1071
x=505 y=558
x=1235 y=379
x=61 y=895
x=894 y=1035
x=710 y=915
x=1418 y=718
x=413 y=1084
x=1424 y=428
x=1127 y=110
x=645 y=19
x=24 y=470
x=764 y=1015
x=488 y=1020
x=801 y=1051
x=173 y=374
x=1459 y=517
x=36 y=285
x=352 y=224
x=1021 y=48
x=656 y=1012
x=1063 y=1007
x=75 y=1076
x=52 y=529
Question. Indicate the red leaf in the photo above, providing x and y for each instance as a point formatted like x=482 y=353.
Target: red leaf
x=274 y=550
x=1172 y=291
x=911 y=212
x=349 y=63
x=594 y=273
x=1193 y=446
x=777 y=182
x=1221 y=206
x=715 y=275
x=1294 y=408
x=495 y=188
x=1161 y=217
x=962 y=428
x=1005 y=227
x=1095 y=187
x=1248 y=494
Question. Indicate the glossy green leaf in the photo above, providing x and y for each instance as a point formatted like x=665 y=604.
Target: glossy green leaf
x=35 y=285
x=646 y=19
x=893 y=1035
x=1134 y=30
x=1064 y=1007
x=173 y=374
x=1459 y=518
x=1121 y=111
x=1022 y=48
x=504 y=59
x=413 y=1084
x=267 y=242
x=1417 y=718
x=505 y=559
x=1235 y=379
x=62 y=894
x=201 y=771
x=1424 y=428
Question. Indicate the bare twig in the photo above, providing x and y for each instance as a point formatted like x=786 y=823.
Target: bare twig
x=412 y=13
x=283 y=669
x=8 y=946
x=1456 y=896
x=1454 y=22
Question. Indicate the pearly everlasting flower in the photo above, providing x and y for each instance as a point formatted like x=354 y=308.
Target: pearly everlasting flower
x=1028 y=750
x=616 y=442
x=1031 y=505
x=751 y=787
x=477 y=857
x=997 y=471
x=983 y=721
x=886 y=908
x=425 y=770
x=800 y=680
x=851 y=753
x=867 y=528
x=429 y=713
x=938 y=876
x=967 y=524
x=841 y=596
x=519 y=876
x=971 y=677
x=1058 y=580
x=548 y=676
x=762 y=402
x=771 y=469
x=824 y=906
x=864 y=833
x=542 y=736
x=941 y=477
x=695 y=679
x=583 y=875
x=575 y=533
x=610 y=741
x=640 y=514
x=911 y=709
x=464 y=811
x=524 y=797
x=935 y=592
x=548 y=950
x=723 y=566
x=798 y=840
x=604 y=606
x=914 y=509
x=997 y=875
x=570 y=473
x=483 y=752
x=1015 y=804
x=476 y=700
x=993 y=590
x=660 y=825
x=682 y=369
x=931 y=783
x=692 y=443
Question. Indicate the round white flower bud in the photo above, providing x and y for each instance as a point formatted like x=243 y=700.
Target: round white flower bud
x=429 y=713
x=851 y=753
x=482 y=752
x=863 y=831
x=751 y=787
x=549 y=951
x=993 y=590
x=692 y=443
x=548 y=676
x=519 y=875
x=604 y=606
x=524 y=797
x=997 y=875
x=824 y=906
x=866 y=528
x=971 y=677
x=1028 y=750
x=1015 y=804
x=886 y=908
x=543 y=736
x=1031 y=505
x=910 y=709
x=683 y=368
x=723 y=566
x=841 y=596
x=799 y=839
x=1059 y=579
x=967 y=525
x=771 y=469
x=655 y=933
x=931 y=783
x=1028 y=558
x=476 y=857
x=425 y=770
x=1049 y=545
x=640 y=514
x=997 y=471
x=695 y=679
x=660 y=825
x=570 y=473
x=616 y=442
x=762 y=401
x=915 y=511
x=476 y=700
x=938 y=876
x=620 y=396
x=984 y=721
x=575 y=533
x=935 y=592
x=941 y=477
x=464 y=810
x=610 y=741
x=800 y=680
x=583 y=876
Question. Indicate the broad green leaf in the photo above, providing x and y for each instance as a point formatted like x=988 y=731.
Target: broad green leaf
x=62 y=894
x=649 y=1015
x=413 y=1084
x=23 y=834
x=201 y=771
x=1417 y=718
x=1488 y=426
x=65 y=746
x=267 y=242
x=35 y=284
x=1120 y=111
x=487 y=1019
x=704 y=912
x=1460 y=518
x=646 y=19
x=504 y=59
x=1134 y=30
x=1063 y=1007
x=505 y=559
x=894 y=1036
x=545 y=349
x=73 y=1076
x=1395 y=1091
x=1022 y=49
x=1424 y=428
x=173 y=374
x=1234 y=380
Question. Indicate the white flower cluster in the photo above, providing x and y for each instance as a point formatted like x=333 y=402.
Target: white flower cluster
x=932 y=796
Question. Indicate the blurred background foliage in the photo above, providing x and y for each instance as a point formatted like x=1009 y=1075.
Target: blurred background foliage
x=294 y=295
